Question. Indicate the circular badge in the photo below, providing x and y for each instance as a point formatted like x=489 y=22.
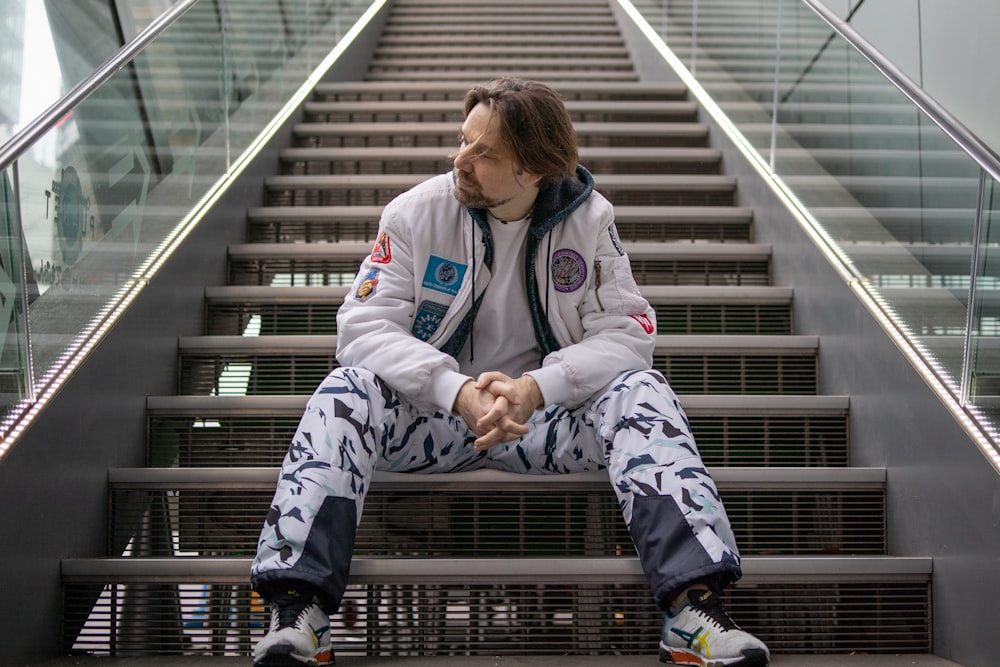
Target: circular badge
x=569 y=271
x=446 y=274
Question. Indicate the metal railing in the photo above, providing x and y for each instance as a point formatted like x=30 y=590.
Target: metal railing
x=897 y=192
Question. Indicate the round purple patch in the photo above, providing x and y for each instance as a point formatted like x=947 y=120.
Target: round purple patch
x=569 y=271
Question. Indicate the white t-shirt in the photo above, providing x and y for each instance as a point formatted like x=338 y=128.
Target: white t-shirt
x=503 y=338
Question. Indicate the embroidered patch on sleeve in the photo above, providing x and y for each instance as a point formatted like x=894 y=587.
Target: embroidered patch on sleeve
x=367 y=287
x=427 y=319
x=615 y=239
x=569 y=271
x=443 y=275
x=381 y=253
x=645 y=322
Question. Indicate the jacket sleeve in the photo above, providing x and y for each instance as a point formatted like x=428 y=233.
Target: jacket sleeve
x=374 y=323
x=619 y=330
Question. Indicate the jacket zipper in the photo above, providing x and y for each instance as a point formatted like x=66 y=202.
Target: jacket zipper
x=597 y=283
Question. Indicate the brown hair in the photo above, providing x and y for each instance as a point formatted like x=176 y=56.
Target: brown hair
x=533 y=123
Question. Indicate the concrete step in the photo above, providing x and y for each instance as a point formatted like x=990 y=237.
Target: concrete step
x=778 y=660
x=599 y=160
x=448 y=110
x=291 y=224
x=731 y=430
x=578 y=90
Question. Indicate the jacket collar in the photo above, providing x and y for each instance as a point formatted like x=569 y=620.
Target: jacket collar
x=556 y=202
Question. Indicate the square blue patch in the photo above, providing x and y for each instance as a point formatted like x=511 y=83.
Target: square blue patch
x=427 y=319
x=443 y=275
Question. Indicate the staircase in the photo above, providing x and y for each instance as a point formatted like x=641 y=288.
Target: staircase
x=483 y=563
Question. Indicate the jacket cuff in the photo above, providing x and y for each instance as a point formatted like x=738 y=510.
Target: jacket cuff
x=555 y=385
x=443 y=386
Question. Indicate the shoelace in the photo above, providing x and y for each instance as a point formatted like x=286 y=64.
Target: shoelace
x=710 y=605
x=290 y=606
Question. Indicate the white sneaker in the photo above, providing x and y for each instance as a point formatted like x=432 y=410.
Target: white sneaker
x=702 y=634
x=299 y=633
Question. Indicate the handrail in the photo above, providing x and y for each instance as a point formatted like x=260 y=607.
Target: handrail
x=959 y=133
x=37 y=128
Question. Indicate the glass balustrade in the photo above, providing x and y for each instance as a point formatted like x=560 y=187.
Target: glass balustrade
x=895 y=194
x=87 y=207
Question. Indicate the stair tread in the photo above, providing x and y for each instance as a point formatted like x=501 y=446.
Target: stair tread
x=635 y=250
x=693 y=343
x=612 y=569
x=622 y=213
x=656 y=294
x=852 y=477
x=449 y=129
x=777 y=660
x=587 y=153
x=630 y=181
x=693 y=404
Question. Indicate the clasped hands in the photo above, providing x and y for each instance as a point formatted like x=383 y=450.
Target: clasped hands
x=496 y=407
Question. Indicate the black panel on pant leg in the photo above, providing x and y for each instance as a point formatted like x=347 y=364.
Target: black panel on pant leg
x=328 y=549
x=671 y=556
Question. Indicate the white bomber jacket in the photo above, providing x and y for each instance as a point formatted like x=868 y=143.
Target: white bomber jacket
x=410 y=309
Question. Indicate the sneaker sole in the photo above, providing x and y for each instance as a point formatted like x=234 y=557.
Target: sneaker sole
x=750 y=658
x=282 y=656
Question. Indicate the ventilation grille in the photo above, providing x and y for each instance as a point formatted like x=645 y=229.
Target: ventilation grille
x=324 y=93
x=281 y=373
x=294 y=272
x=307 y=231
x=273 y=318
x=330 y=230
x=668 y=197
x=468 y=524
x=409 y=620
x=254 y=374
x=321 y=318
x=712 y=319
x=260 y=440
x=701 y=272
x=671 y=135
x=324 y=196
x=738 y=374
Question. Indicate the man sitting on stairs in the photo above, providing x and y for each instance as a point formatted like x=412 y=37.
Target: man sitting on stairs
x=441 y=372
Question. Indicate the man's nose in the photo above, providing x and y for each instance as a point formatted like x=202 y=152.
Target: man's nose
x=463 y=160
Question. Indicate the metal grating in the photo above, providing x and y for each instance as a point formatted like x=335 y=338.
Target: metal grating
x=719 y=319
x=445 y=523
x=323 y=196
x=210 y=618
x=283 y=373
x=339 y=272
x=739 y=374
x=232 y=319
x=349 y=167
x=701 y=272
x=667 y=196
x=253 y=374
x=807 y=441
x=674 y=136
x=261 y=440
x=332 y=230
x=309 y=231
x=333 y=93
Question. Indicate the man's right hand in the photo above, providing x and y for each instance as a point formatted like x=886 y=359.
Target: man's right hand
x=473 y=404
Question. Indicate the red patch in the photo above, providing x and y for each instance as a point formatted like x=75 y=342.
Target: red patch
x=647 y=324
x=381 y=254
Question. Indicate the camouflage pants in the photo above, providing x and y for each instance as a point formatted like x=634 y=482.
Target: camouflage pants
x=635 y=428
